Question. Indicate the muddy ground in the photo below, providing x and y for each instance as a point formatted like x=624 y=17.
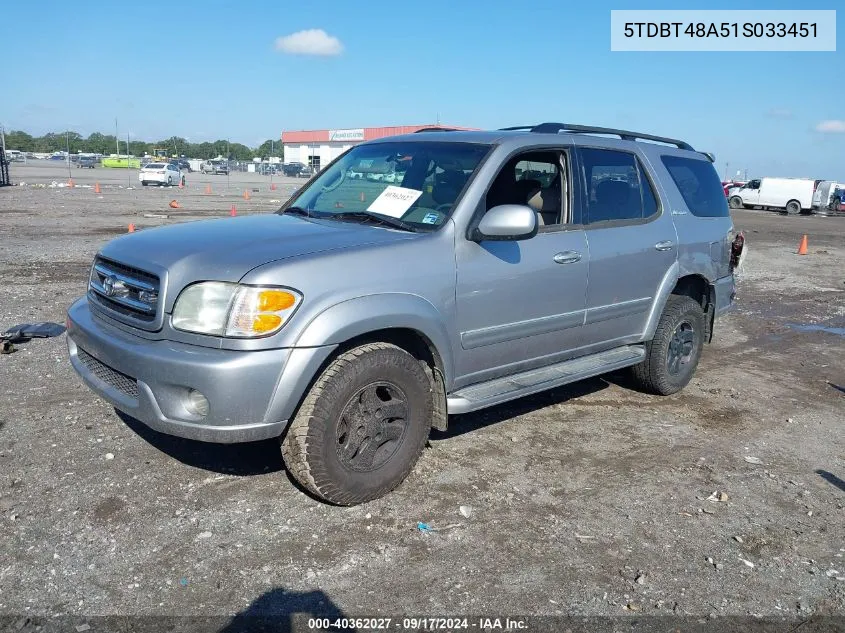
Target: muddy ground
x=588 y=500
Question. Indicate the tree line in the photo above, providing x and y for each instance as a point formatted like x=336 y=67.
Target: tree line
x=97 y=143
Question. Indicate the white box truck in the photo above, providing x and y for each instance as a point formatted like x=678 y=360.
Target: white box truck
x=823 y=198
x=790 y=194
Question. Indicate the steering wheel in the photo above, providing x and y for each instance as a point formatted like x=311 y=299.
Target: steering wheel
x=337 y=184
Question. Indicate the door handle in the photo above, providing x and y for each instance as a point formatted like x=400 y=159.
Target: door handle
x=664 y=246
x=567 y=257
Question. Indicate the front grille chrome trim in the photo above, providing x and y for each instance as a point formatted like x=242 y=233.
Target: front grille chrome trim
x=133 y=295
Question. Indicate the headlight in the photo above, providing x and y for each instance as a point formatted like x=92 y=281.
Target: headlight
x=226 y=309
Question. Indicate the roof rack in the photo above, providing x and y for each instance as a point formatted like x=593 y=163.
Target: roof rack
x=436 y=129
x=555 y=128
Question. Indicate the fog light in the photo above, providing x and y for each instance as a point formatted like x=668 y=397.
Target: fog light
x=196 y=403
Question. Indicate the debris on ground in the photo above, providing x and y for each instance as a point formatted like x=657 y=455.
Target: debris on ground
x=753 y=460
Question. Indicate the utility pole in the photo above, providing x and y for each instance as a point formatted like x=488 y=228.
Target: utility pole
x=128 y=173
x=67 y=148
x=228 y=165
x=272 y=164
x=117 y=142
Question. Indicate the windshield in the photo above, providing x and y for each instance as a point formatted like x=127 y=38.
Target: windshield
x=416 y=182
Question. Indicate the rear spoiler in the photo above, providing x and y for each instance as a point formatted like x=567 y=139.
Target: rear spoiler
x=710 y=156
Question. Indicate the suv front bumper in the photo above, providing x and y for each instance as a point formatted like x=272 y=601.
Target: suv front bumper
x=249 y=393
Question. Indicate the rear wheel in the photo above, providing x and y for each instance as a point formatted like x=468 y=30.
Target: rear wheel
x=673 y=354
x=169 y=181
x=362 y=426
x=793 y=207
x=144 y=183
x=736 y=202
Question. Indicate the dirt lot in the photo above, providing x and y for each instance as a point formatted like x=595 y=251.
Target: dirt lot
x=588 y=500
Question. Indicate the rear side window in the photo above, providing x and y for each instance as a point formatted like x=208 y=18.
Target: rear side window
x=699 y=185
x=617 y=189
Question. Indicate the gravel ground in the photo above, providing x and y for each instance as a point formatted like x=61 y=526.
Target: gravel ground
x=591 y=500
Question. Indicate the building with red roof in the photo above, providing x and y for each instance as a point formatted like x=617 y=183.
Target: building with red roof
x=318 y=148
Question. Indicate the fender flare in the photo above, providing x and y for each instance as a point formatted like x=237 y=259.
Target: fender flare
x=663 y=291
x=362 y=315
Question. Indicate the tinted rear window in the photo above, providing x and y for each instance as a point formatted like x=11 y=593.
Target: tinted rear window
x=154 y=166
x=699 y=185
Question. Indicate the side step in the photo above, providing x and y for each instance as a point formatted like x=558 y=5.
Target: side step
x=486 y=394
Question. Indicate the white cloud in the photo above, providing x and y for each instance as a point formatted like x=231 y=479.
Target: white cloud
x=831 y=126
x=309 y=42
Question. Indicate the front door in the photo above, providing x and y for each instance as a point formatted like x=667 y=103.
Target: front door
x=520 y=304
x=632 y=244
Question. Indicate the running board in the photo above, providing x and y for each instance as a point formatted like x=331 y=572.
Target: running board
x=486 y=394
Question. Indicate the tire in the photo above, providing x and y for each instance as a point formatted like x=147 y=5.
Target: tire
x=322 y=450
x=169 y=181
x=793 y=207
x=144 y=183
x=736 y=202
x=682 y=315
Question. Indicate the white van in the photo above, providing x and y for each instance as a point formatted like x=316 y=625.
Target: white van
x=823 y=197
x=792 y=194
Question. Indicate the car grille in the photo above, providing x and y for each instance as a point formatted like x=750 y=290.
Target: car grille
x=129 y=291
x=123 y=383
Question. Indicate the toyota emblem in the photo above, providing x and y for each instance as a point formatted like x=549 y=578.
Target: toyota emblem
x=108 y=285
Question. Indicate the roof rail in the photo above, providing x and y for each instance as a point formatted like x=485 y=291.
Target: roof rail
x=436 y=129
x=555 y=128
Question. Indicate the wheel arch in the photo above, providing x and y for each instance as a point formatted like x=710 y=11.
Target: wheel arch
x=693 y=285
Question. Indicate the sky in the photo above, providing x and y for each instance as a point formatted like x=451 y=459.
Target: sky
x=211 y=69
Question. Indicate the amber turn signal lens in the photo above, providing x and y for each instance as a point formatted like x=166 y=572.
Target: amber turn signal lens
x=266 y=322
x=275 y=300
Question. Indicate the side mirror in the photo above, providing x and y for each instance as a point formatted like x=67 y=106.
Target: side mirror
x=507 y=222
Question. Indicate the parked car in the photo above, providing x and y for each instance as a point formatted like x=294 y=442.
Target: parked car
x=182 y=164
x=215 y=167
x=160 y=174
x=86 y=161
x=792 y=195
x=292 y=170
x=354 y=320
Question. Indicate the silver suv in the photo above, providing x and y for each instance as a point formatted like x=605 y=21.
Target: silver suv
x=363 y=312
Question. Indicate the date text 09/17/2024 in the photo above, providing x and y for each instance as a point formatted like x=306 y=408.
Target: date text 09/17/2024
x=416 y=624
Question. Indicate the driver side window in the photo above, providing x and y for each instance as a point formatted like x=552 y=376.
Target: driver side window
x=536 y=179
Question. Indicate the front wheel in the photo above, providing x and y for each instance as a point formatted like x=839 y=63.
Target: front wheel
x=736 y=202
x=673 y=354
x=362 y=426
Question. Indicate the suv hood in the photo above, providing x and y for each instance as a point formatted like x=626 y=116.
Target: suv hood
x=227 y=249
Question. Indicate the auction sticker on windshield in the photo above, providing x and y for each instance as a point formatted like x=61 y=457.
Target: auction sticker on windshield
x=394 y=201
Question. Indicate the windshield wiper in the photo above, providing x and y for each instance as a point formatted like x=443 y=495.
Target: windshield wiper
x=295 y=211
x=377 y=217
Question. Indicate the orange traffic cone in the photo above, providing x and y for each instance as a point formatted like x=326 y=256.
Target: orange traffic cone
x=131 y=228
x=802 y=246
x=246 y=194
x=208 y=189
x=70 y=182
x=182 y=183
x=272 y=186
x=174 y=205
x=97 y=187
x=233 y=212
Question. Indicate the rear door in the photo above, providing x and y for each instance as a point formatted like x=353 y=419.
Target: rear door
x=632 y=244
x=701 y=215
